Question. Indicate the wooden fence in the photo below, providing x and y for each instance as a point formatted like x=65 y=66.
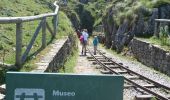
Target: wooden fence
x=20 y=58
x=158 y=23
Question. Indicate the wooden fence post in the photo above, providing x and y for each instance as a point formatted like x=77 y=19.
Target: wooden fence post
x=55 y=24
x=156 y=32
x=44 y=33
x=18 y=62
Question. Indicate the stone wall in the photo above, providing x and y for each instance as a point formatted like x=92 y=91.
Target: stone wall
x=61 y=56
x=57 y=55
x=151 y=55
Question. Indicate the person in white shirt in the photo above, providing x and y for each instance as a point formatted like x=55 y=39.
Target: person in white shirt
x=85 y=41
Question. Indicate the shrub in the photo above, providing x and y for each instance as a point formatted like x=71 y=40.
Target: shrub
x=164 y=35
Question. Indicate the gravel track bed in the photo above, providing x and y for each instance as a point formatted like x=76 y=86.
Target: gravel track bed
x=141 y=69
x=129 y=94
x=137 y=67
x=159 y=91
x=140 y=82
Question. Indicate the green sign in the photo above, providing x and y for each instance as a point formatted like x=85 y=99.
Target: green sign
x=50 y=86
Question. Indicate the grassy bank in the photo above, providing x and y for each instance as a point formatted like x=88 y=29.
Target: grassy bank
x=7 y=32
x=64 y=29
x=11 y=8
x=70 y=63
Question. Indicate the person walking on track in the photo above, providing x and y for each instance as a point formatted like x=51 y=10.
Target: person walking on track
x=85 y=36
x=95 y=43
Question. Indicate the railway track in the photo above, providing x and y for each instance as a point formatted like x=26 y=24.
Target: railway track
x=148 y=88
x=132 y=79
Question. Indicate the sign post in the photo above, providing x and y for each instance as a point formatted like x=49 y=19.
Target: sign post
x=50 y=86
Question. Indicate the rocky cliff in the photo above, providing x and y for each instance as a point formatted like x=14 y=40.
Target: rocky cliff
x=125 y=19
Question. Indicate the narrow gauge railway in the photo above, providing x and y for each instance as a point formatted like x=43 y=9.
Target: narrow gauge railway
x=141 y=83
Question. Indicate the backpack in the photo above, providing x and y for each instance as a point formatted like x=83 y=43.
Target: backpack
x=81 y=39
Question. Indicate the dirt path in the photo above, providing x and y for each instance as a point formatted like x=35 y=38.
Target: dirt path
x=84 y=66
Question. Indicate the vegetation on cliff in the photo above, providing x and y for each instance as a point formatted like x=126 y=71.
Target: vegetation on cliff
x=124 y=19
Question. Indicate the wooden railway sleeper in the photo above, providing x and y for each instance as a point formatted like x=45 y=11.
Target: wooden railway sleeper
x=107 y=63
x=114 y=67
x=132 y=77
x=146 y=86
x=122 y=72
x=144 y=97
x=105 y=72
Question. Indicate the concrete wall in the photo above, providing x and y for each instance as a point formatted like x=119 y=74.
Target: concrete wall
x=151 y=55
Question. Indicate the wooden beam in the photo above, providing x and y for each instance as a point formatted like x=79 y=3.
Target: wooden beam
x=107 y=63
x=31 y=42
x=132 y=77
x=162 y=20
x=44 y=44
x=49 y=29
x=122 y=72
x=143 y=97
x=105 y=72
x=156 y=33
x=7 y=20
x=57 y=7
x=55 y=24
x=18 y=45
x=146 y=86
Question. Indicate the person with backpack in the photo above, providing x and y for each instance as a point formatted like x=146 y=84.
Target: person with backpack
x=95 y=43
x=84 y=41
x=81 y=39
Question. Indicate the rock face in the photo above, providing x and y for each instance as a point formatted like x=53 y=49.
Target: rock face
x=74 y=19
x=83 y=1
x=118 y=35
x=84 y=18
x=86 y=1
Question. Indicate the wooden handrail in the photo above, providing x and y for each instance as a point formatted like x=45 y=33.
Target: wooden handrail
x=7 y=20
x=157 y=25
x=20 y=59
x=57 y=7
x=162 y=20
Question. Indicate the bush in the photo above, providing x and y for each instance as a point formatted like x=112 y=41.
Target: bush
x=164 y=35
x=2 y=74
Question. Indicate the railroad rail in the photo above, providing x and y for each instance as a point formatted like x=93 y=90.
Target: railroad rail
x=111 y=67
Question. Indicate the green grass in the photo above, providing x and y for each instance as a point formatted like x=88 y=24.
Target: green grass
x=10 y=8
x=2 y=74
x=129 y=9
x=70 y=63
x=64 y=29
x=7 y=31
x=129 y=58
x=65 y=26
x=155 y=41
x=9 y=44
x=23 y=7
x=27 y=8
